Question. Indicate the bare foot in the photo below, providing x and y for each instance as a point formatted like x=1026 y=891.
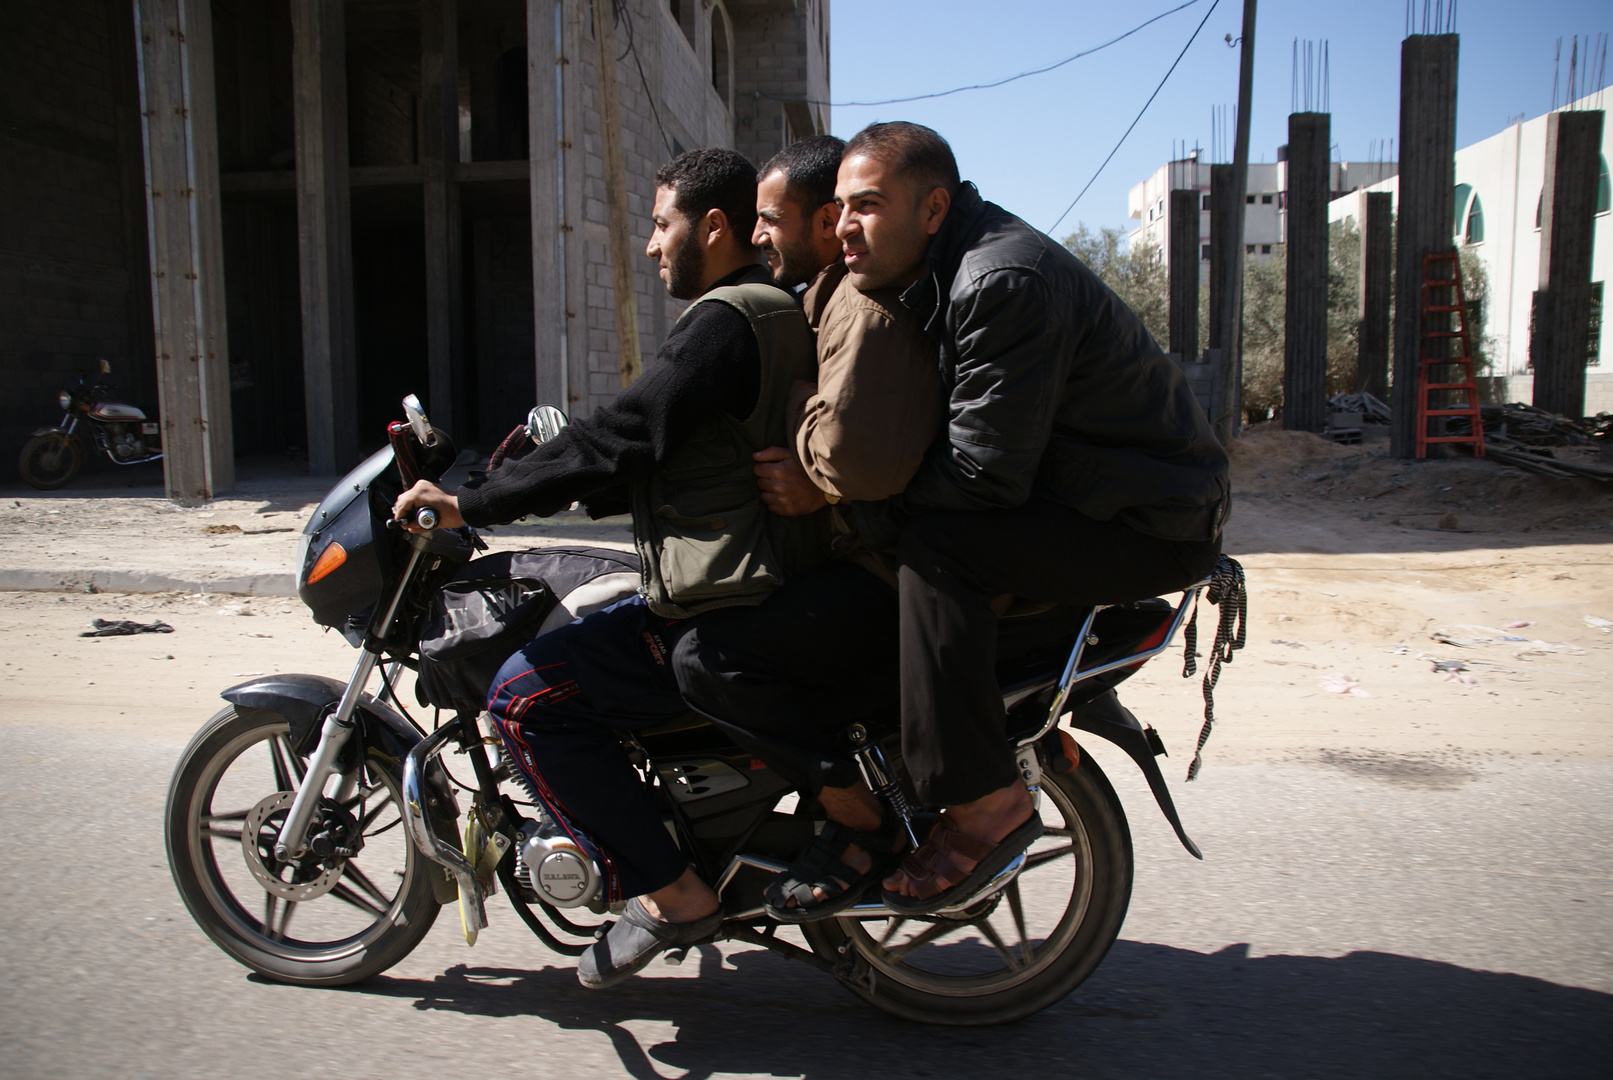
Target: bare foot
x=989 y=818
x=685 y=900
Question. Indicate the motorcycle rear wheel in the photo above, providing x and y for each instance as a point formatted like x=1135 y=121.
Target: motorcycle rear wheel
x=363 y=920
x=1015 y=953
x=50 y=461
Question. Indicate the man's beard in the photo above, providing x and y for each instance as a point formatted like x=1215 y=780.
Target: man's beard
x=687 y=269
x=796 y=264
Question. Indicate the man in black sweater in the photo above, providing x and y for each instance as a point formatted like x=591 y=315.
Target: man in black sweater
x=556 y=702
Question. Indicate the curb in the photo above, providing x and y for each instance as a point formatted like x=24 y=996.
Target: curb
x=141 y=581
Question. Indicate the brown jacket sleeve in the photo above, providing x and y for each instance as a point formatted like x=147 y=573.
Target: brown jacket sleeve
x=879 y=400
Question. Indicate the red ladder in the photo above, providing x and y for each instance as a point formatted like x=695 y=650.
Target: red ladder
x=1437 y=343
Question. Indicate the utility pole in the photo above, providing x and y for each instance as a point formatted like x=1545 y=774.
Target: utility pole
x=1227 y=416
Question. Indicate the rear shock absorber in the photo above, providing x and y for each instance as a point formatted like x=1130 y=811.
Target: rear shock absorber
x=881 y=779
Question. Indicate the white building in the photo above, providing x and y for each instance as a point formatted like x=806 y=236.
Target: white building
x=1265 y=216
x=1498 y=194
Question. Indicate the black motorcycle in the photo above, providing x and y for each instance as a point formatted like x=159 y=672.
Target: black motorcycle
x=314 y=830
x=121 y=433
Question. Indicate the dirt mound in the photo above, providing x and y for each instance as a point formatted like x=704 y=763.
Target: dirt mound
x=1461 y=493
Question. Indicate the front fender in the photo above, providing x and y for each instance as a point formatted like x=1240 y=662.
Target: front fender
x=303 y=700
x=1105 y=716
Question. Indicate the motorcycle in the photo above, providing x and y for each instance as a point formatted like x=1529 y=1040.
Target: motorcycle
x=53 y=456
x=314 y=830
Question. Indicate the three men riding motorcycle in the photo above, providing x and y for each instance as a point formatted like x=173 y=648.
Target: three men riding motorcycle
x=1074 y=467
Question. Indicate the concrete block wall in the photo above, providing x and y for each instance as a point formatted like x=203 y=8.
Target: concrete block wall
x=73 y=265
x=772 y=50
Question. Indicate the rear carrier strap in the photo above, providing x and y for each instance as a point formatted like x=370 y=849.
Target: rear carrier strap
x=1227 y=590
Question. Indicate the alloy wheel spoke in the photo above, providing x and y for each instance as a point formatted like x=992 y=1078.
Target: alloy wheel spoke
x=277 y=916
x=288 y=768
x=1037 y=858
x=369 y=818
x=936 y=931
x=362 y=880
x=224 y=826
x=342 y=892
x=1068 y=834
x=1017 y=908
x=989 y=932
x=891 y=927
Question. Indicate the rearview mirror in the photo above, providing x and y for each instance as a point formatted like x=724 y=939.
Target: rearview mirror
x=417 y=420
x=544 y=423
x=106 y=368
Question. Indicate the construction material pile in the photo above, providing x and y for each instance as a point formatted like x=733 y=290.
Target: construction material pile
x=1522 y=435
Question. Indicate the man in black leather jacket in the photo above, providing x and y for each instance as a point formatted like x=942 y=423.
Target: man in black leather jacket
x=1075 y=467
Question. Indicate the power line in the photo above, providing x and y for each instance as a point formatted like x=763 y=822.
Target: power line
x=1139 y=116
x=624 y=17
x=999 y=82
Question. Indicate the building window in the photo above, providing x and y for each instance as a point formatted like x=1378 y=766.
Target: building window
x=719 y=52
x=1593 y=348
x=1265 y=200
x=1206 y=204
x=1604 y=191
x=1475 y=221
x=1265 y=249
x=1248 y=249
x=1204 y=252
x=1250 y=199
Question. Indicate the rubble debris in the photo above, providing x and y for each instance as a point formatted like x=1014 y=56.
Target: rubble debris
x=1338 y=682
x=220 y=530
x=125 y=627
x=1371 y=409
x=1604 y=625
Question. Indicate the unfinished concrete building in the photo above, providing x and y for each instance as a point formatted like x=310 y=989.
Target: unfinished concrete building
x=276 y=217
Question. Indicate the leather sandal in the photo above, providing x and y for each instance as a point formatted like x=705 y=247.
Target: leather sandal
x=819 y=866
x=634 y=940
x=940 y=879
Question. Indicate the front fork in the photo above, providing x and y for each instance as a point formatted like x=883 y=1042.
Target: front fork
x=292 y=842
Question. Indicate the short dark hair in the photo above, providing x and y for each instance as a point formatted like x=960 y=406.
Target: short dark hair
x=713 y=179
x=809 y=166
x=913 y=149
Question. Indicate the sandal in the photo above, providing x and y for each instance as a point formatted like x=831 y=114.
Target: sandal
x=819 y=866
x=941 y=881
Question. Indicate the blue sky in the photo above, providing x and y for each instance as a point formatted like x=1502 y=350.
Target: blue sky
x=1033 y=144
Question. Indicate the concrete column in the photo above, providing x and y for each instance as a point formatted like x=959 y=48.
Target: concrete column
x=620 y=246
x=439 y=151
x=1222 y=200
x=324 y=233
x=1377 y=264
x=546 y=145
x=1305 y=335
x=1424 y=222
x=1184 y=270
x=180 y=129
x=1563 y=305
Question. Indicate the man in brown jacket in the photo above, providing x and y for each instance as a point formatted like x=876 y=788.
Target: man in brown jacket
x=769 y=674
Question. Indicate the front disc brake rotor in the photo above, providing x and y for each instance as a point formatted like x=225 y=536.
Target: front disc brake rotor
x=258 y=844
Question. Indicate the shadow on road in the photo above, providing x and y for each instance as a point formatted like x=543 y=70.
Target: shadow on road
x=1150 y=1010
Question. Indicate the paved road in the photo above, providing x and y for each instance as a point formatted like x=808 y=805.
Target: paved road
x=1362 y=914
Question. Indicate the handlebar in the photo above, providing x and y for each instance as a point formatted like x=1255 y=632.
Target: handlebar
x=424 y=518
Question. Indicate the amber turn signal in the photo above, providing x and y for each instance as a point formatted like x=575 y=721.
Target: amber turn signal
x=329 y=559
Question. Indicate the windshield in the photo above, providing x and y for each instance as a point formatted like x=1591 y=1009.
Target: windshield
x=348 y=488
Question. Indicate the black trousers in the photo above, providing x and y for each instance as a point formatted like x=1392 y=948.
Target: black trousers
x=785 y=678
x=951 y=567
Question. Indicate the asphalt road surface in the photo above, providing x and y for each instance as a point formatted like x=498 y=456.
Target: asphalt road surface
x=1362 y=915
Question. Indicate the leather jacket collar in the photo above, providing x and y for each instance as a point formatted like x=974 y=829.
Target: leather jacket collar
x=924 y=297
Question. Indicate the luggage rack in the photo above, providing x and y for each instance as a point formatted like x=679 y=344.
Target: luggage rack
x=1074 y=673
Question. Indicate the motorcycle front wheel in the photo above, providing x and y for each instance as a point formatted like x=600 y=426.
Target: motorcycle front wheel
x=1016 y=952
x=308 y=923
x=50 y=461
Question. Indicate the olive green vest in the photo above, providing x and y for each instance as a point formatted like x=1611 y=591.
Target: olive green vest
x=705 y=538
